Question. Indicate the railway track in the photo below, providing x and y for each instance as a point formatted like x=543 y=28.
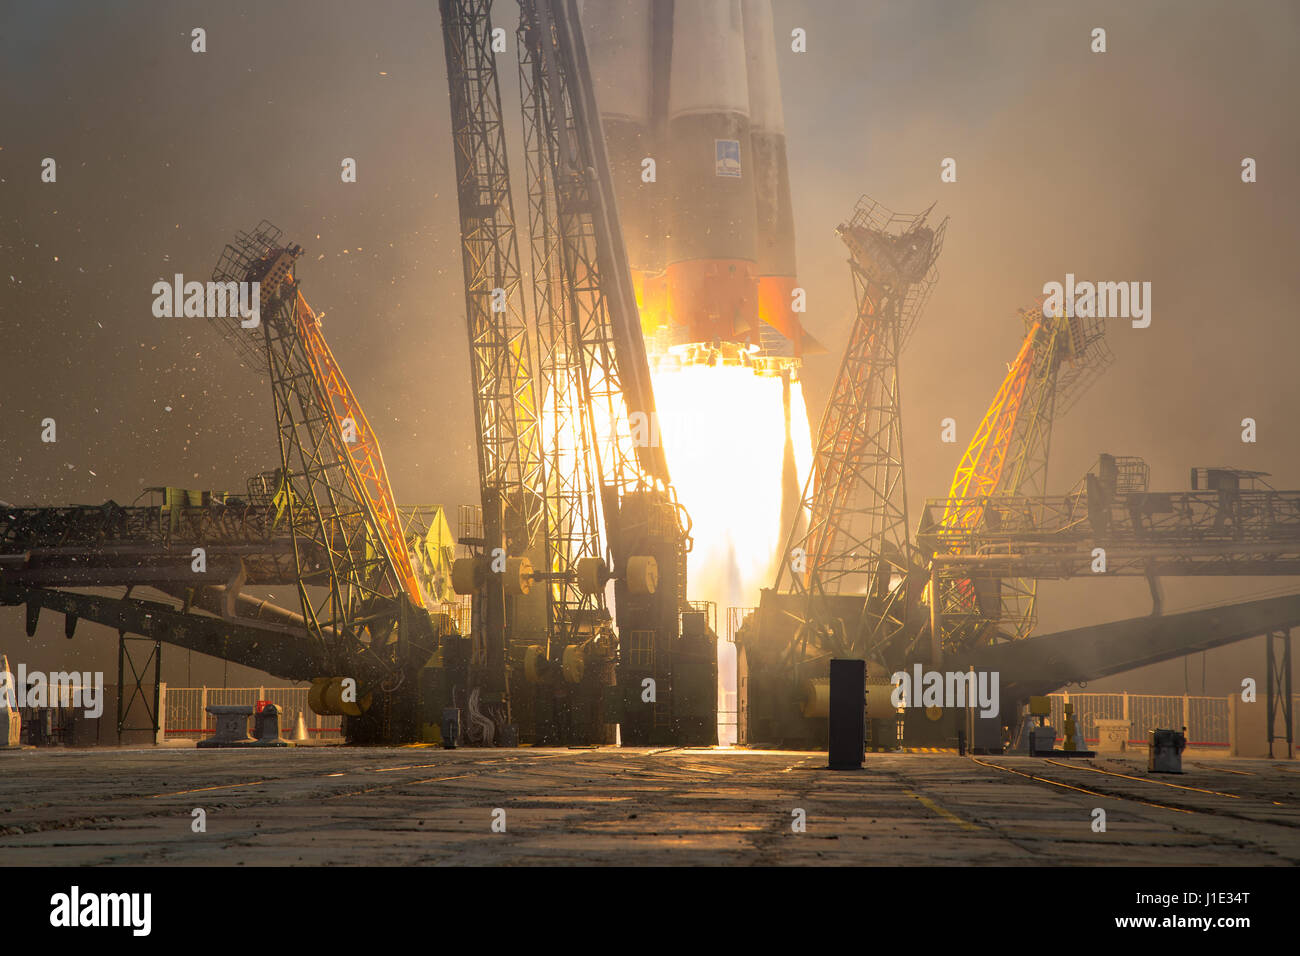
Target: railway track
x=1148 y=792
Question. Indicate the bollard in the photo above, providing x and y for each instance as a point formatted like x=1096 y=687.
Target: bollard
x=232 y=726
x=450 y=727
x=11 y=722
x=266 y=726
x=1165 y=751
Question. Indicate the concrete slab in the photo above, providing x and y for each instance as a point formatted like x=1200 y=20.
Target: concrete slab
x=378 y=806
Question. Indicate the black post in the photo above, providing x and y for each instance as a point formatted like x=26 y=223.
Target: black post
x=847 y=709
x=157 y=690
x=121 y=687
x=1288 y=696
x=1279 y=690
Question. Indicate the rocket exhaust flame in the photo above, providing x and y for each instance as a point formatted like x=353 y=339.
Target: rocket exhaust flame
x=737 y=463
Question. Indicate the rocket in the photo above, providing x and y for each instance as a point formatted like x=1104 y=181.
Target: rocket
x=690 y=103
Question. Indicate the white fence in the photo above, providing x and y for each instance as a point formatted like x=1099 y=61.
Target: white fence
x=1206 y=718
x=186 y=716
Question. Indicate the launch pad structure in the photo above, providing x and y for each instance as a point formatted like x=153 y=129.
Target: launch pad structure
x=560 y=615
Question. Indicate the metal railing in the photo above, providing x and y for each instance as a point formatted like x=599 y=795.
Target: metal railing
x=736 y=617
x=1206 y=718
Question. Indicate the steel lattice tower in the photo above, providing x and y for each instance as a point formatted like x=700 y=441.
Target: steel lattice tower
x=572 y=513
x=572 y=170
x=358 y=590
x=510 y=459
x=602 y=376
x=1008 y=455
x=604 y=502
x=510 y=465
x=855 y=503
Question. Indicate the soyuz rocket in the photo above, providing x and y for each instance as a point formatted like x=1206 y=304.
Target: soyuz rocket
x=690 y=103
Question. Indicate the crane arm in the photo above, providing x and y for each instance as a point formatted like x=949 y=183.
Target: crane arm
x=356 y=444
x=981 y=467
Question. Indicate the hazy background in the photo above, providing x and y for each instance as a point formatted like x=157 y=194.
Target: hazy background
x=1117 y=166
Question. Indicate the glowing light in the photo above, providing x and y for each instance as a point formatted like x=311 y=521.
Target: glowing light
x=723 y=430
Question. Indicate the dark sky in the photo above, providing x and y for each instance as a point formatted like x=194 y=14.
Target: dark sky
x=1118 y=166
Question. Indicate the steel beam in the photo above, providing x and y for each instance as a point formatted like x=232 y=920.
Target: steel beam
x=1040 y=665
x=281 y=651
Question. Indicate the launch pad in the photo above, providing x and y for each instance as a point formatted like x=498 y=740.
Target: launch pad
x=379 y=806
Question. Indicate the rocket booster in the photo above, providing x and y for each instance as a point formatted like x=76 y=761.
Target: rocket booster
x=782 y=333
x=693 y=87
